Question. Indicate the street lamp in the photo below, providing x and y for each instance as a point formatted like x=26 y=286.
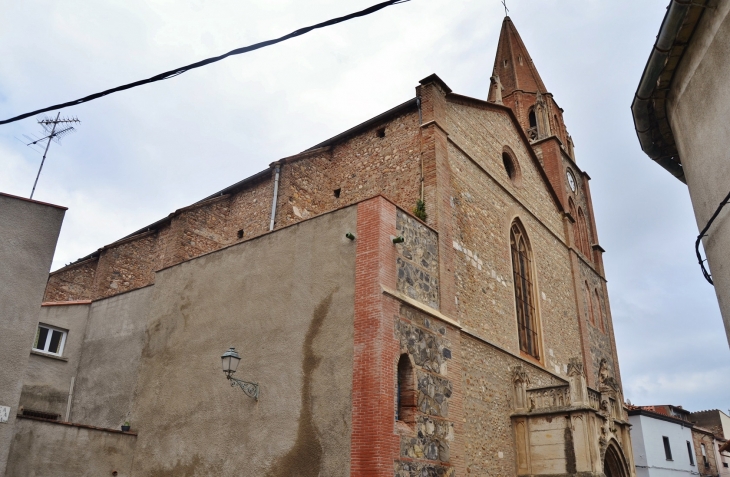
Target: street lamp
x=230 y=361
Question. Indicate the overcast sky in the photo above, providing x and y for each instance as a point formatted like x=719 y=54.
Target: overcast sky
x=141 y=154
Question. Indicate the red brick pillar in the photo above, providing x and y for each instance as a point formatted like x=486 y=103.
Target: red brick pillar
x=374 y=444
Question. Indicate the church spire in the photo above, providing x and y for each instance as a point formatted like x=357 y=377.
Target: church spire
x=517 y=85
x=513 y=64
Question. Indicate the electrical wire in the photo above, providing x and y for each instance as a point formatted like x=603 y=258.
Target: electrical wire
x=183 y=69
x=706 y=274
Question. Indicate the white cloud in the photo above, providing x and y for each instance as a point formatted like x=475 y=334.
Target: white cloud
x=140 y=154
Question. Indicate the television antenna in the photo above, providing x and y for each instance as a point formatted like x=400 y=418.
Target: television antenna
x=54 y=133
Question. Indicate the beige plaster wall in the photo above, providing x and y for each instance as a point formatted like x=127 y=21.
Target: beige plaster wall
x=48 y=378
x=699 y=108
x=48 y=449
x=28 y=235
x=107 y=372
x=286 y=302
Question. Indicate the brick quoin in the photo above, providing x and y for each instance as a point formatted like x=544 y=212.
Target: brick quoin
x=374 y=444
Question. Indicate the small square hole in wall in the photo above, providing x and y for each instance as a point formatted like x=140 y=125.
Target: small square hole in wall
x=337 y=193
x=380 y=132
x=240 y=234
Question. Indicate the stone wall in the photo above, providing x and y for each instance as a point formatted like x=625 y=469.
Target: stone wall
x=487 y=394
x=430 y=438
x=417 y=261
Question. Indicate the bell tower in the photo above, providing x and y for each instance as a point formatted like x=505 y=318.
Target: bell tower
x=517 y=84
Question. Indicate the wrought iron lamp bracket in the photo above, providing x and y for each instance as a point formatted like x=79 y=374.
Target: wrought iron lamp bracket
x=251 y=389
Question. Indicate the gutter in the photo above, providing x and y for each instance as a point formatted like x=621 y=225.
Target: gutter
x=649 y=104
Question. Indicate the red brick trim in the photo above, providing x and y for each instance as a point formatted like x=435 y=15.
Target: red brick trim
x=65 y=303
x=33 y=201
x=374 y=444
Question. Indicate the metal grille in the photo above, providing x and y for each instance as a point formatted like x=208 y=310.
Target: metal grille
x=522 y=274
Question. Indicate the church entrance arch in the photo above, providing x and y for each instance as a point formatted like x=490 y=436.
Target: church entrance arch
x=614 y=464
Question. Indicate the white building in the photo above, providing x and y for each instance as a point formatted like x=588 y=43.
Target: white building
x=662 y=445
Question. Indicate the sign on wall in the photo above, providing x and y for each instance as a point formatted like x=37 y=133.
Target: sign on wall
x=4 y=413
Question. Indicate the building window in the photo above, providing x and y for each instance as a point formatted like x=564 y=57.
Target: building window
x=704 y=455
x=583 y=232
x=49 y=340
x=689 y=451
x=406 y=393
x=589 y=305
x=599 y=311
x=667 y=449
x=509 y=166
x=524 y=291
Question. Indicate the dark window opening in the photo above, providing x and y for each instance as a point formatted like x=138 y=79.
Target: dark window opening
x=533 y=119
x=41 y=414
x=704 y=455
x=689 y=451
x=667 y=449
x=240 y=234
x=406 y=395
x=509 y=166
x=380 y=132
x=337 y=193
x=524 y=292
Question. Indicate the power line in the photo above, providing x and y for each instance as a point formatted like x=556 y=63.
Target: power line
x=183 y=69
x=705 y=273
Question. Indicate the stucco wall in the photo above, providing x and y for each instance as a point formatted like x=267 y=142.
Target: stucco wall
x=48 y=378
x=698 y=107
x=48 y=449
x=286 y=302
x=28 y=234
x=648 y=447
x=107 y=372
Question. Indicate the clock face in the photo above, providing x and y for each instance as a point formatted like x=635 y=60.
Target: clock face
x=571 y=181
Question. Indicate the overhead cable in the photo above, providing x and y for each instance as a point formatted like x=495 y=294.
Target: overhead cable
x=181 y=70
x=706 y=274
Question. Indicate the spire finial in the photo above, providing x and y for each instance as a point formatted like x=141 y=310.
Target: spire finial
x=506 y=10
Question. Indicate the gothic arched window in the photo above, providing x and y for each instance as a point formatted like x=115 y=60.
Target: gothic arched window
x=589 y=305
x=599 y=312
x=524 y=285
x=583 y=230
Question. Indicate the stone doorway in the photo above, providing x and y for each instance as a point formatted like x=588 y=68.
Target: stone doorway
x=613 y=463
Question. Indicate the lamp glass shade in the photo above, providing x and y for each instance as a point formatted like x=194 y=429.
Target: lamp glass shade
x=230 y=361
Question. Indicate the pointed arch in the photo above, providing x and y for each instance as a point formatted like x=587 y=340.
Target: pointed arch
x=614 y=462
x=583 y=230
x=599 y=311
x=525 y=290
x=589 y=304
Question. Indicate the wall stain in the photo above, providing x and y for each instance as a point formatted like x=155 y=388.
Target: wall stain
x=570 y=462
x=304 y=459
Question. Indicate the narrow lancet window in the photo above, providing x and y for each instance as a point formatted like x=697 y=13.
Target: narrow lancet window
x=524 y=291
x=406 y=395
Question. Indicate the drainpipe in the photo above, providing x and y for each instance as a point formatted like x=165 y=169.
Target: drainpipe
x=420 y=139
x=276 y=193
x=70 y=397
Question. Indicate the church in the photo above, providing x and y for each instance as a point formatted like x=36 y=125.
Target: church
x=420 y=295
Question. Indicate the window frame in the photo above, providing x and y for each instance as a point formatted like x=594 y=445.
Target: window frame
x=689 y=451
x=526 y=303
x=667 y=448
x=49 y=337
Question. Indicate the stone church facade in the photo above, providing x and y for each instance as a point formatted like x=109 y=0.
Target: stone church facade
x=421 y=295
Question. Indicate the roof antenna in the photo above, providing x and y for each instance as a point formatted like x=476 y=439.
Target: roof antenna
x=50 y=126
x=506 y=10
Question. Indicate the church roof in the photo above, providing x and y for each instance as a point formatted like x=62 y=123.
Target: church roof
x=513 y=63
